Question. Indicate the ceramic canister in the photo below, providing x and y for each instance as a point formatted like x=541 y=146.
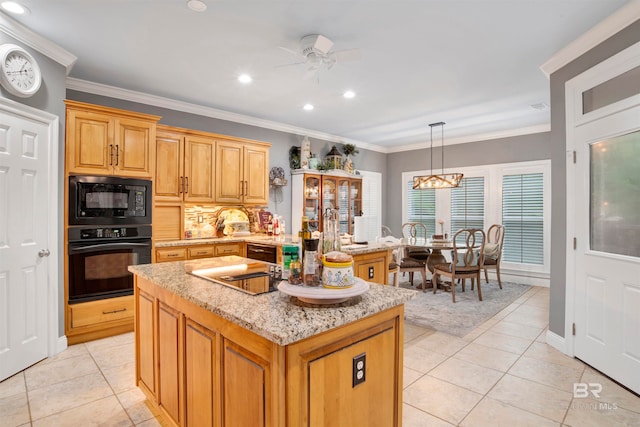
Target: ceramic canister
x=337 y=275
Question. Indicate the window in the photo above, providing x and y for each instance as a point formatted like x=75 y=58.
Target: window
x=516 y=195
x=522 y=217
x=421 y=207
x=467 y=204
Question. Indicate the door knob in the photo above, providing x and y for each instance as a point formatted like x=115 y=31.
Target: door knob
x=43 y=253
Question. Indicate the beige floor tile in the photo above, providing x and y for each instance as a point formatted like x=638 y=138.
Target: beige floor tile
x=442 y=343
x=441 y=399
x=491 y=413
x=106 y=412
x=488 y=323
x=467 y=374
x=153 y=422
x=135 y=403
x=71 y=351
x=548 y=402
x=504 y=342
x=14 y=410
x=60 y=370
x=516 y=330
x=612 y=392
x=543 y=336
x=117 y=355
x=409 y=376
x=413 y=417
x=421 y=360
x=541 y=371
x=13 y=385
x=475 y=333
x=538 y=318
x=114 y=341
x=545 y=352
x=488 y=357
x=412 y=332
x=122 y=377
x=68 y=394
x=595 y=413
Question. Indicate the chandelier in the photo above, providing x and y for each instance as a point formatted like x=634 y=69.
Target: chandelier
x=441 y=180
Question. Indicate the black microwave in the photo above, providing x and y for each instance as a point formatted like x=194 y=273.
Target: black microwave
x=109 y=200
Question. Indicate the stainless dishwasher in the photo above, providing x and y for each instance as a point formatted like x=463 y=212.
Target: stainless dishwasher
x=262 y=252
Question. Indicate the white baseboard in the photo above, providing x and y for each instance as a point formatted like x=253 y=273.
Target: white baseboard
x=516 y=278
x=61 y=345
x=558 y=342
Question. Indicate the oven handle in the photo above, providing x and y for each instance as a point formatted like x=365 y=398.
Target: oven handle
x=107 y=246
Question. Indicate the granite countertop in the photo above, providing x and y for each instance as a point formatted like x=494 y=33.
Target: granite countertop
x=275 y=316
x=355 y=249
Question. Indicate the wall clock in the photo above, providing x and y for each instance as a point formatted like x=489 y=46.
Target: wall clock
x=19 y=72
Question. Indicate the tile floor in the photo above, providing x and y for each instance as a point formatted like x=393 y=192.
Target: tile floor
x=500 y=374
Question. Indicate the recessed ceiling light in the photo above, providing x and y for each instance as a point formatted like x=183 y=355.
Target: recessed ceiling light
x=308 y=107
x=196 y=5
x=244 y=78
x=349 y=94
x=13 y=7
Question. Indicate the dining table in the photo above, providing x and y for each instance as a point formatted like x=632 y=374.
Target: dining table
x=435 y=246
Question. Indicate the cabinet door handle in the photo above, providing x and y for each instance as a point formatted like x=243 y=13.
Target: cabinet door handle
x=186 y=184
x=181 y=189
x=117 y=154
x=110 y=154
x=246 y=188
x=114 y=311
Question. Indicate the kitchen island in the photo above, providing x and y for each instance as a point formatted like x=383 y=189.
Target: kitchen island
x=211 y=355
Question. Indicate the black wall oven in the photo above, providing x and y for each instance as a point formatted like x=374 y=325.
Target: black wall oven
x=109 y=200
x=99 y=257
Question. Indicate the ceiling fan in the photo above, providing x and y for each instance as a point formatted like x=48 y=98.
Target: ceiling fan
x=315 y=52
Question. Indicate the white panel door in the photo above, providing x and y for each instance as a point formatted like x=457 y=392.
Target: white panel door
x=24 y=211
x=607 y=277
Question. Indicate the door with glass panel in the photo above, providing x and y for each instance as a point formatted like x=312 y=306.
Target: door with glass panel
x=607 y=276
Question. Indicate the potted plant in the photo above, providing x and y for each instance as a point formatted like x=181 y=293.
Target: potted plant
x=349 y=150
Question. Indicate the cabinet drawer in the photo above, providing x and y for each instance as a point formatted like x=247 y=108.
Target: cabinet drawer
x=171 y=254
x=200 y=252
x=101 y=311
x=229 y=249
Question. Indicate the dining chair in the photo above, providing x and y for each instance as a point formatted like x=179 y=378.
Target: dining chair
x=407 y=264
x=416 y=235
x=467 y=260
x=493 y=251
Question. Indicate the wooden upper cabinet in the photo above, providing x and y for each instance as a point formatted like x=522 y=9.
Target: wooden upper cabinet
x=199 y=158
x=184 y=166
x=108 y=141
x=242 y=173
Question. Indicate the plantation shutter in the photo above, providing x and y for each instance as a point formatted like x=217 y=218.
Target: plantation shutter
x=467 y=205
x=372 y=203
x=422 y=207
x=522 y=217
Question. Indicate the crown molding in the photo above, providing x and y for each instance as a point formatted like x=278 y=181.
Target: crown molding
x=622 y=18
x=158 y=101
x=35 y=41
x=508 y=133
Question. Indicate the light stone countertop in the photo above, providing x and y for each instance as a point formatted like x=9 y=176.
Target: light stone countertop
x=275 y=316
x=356 y=249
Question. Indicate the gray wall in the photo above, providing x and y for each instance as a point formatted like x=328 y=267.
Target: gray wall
x=280 y=198
x=50 y=99
x=598 y=54
x=503 y=150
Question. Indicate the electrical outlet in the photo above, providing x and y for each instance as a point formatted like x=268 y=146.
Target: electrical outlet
x=359 y=369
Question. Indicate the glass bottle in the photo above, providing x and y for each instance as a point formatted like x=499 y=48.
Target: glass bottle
x=311 y=275
x=304 y=233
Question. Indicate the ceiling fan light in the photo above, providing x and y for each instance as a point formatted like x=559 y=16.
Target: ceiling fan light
x=307 y=107
x=349 y=94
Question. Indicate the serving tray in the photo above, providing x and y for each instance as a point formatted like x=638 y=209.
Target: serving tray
x=320 y=295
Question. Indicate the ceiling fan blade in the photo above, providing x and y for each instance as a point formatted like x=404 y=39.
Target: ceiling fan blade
x=291 y=51
x=289 y=65
x=347 y=55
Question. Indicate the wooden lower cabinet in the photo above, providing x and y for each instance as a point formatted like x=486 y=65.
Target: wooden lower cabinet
x=209 y=371
x=98 y=319
x=373 y=267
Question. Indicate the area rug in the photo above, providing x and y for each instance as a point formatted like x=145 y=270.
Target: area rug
x=439 y=313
